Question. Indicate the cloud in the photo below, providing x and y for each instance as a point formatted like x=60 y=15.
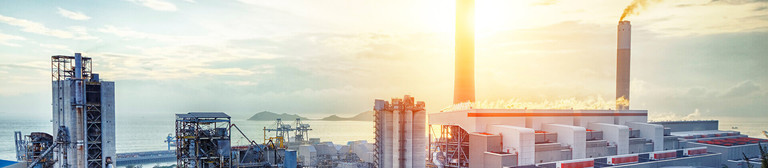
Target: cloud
x=736 y=2
x=696 y=114
x=661 y=116
x=73 y=15
x=6 y=38
x=742 y=89
x=57 y=47
x=544 y=2
x=78 y=33
x=128 y=33
x=158 y=5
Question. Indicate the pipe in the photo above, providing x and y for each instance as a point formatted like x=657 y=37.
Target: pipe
x=80 y=115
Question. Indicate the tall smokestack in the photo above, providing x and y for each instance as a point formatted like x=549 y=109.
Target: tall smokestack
x=622 y=65
x=464 y=84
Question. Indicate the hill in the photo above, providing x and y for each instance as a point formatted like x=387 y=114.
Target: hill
x=270 y=116
x=364 y=116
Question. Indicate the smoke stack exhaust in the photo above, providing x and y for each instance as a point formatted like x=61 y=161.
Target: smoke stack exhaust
x=624 y=39
x=464 y=84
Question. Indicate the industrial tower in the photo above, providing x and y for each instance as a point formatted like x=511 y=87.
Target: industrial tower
x=624 y=39
x=400 y=128
x=464 y=84
x=83 y=114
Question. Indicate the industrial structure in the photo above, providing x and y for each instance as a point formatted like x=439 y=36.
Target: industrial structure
x=283 y=133
x=624 y=40
x=400 y=127
x=83 y=119
x=576 y=138
x=464 y=82
x=203 y=140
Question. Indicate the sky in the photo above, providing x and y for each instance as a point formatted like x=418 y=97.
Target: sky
x=691 y=59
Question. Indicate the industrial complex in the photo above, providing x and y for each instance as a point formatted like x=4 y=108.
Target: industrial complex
x=406 y=134
x=83 y=133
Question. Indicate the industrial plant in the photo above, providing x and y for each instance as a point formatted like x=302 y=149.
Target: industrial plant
x=466 y=136
x=405 y=136
x=83 y=133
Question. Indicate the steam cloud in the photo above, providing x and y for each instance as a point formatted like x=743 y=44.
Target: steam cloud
x=635 y=6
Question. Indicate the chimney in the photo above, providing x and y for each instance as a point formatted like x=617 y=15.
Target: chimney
x=622 y=64
x=464 y=84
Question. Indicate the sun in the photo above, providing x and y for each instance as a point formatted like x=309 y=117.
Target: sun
x=498 y=15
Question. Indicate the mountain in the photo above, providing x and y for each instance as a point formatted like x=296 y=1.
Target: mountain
x=364 y=116
x=270 y=116
x=334 y=118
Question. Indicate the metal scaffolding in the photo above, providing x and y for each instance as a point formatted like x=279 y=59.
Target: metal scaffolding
x=203 y=140
x=448 y=146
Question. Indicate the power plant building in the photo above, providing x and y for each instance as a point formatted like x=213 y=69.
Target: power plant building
x=400 y=127
x=586 y=138
x=83 y=114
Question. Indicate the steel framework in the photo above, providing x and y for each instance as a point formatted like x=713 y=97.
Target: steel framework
x=302 y=131
x=203 y=140
x=63 y=68
x=449 y=147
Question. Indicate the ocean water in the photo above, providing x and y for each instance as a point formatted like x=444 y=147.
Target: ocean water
x=147 y=134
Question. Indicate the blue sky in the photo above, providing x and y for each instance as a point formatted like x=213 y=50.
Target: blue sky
x=692 y=59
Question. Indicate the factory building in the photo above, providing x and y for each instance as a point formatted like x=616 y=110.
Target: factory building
x=83 y=119
x=589 y=138
x=400 y=127
x=83 y=114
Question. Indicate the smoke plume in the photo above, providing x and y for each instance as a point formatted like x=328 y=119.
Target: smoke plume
x=635 y=7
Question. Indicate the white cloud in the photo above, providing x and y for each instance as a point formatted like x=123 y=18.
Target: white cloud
x=78 y=33
x=73 y=15
x=5 y=38
x=131 y=34
x=158 y=5
x=57 y=47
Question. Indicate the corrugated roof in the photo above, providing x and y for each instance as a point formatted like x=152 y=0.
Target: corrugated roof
x=203 y=115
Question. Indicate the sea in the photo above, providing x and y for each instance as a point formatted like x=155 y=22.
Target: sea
x=149 y=134
x=146 y=134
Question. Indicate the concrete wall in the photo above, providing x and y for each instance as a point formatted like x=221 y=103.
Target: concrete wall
x=597 y=148
x=550 y=152
x=537 y=122
x=654 y=132
x=516 y=140
x=707 y=160
x=408 y=151
x=585 y=120
x=492 y=159
x=617 y=135
x=108 y=121
x=479 y=144
x=308 y=155
x=630 y=116
x=570 y=135
x=671 y=142
x=678 y=126
x=396 y=117
x=389 y=138
x=419 y=140
x=731 y=152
